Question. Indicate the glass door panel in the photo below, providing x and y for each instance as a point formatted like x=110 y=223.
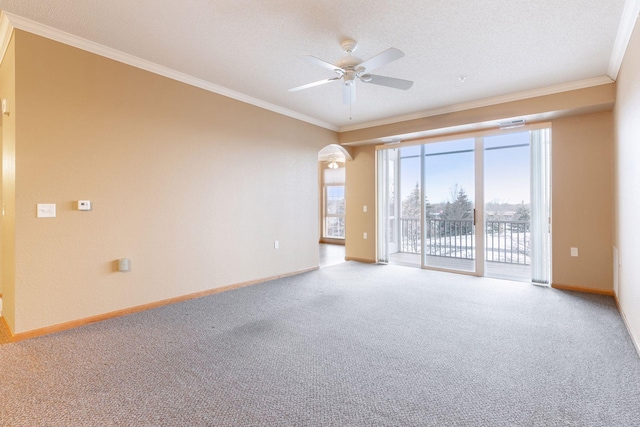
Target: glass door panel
x=409 y=224
x=507 y=192
x=449 y=214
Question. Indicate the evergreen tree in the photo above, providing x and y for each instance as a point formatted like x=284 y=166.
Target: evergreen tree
x=460 y=207
x=411 y=205
x=522 y=213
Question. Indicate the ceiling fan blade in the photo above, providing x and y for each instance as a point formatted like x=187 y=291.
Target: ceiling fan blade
x=381 y=59
x=323 y=64
x=388 y=81
x=349 y=94
x=318 y=83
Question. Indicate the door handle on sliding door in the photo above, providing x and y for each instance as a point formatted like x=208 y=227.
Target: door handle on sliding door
x=474 y=217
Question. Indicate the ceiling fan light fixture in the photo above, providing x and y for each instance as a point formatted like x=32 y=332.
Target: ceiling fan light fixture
x=333 y=162
x=349 y=78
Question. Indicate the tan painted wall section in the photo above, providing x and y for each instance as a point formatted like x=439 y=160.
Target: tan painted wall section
x=7 y=91
x=193 y=187
x=627 y=185
x=361 y=192
x=582 y=196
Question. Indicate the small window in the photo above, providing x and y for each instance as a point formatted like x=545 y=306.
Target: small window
x=334 y=210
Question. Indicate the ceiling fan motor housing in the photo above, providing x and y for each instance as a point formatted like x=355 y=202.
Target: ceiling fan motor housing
x=348 y=62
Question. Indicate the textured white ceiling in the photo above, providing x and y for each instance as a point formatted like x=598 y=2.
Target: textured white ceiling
x=256 y=47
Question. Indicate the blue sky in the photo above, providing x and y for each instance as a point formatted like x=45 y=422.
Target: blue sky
x=506 y=169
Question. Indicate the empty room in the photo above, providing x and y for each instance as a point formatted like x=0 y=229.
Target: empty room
x=292 y=213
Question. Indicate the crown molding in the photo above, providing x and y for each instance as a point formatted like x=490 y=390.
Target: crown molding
x=518 y=96
x=6 y=30
x=10 y=21
x=625 y=29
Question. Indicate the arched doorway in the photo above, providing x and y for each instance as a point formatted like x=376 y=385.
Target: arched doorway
x=332 y=191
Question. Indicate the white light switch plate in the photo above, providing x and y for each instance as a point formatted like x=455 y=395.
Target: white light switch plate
x=574 y=251
x=46 y=210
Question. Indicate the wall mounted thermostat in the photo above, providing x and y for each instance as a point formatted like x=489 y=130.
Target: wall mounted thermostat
x=84 y=205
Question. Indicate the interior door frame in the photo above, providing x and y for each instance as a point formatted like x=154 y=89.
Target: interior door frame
x=478 y=206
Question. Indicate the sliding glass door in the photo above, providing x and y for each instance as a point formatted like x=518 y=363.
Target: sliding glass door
x=449 y=193
x=478 y=205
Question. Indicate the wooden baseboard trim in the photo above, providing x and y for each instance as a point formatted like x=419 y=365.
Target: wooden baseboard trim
x=365 y=260
x=118 y=313
x=338 y=242
x=6 y=325
x=581 y=289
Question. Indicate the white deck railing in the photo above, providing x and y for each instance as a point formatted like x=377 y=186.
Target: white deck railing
x=505 y=241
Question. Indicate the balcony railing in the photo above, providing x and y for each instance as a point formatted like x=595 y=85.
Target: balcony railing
x=508 y=241
x=505 y=241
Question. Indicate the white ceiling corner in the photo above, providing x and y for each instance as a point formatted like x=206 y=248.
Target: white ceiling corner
x=5 y=34
x=625 y=29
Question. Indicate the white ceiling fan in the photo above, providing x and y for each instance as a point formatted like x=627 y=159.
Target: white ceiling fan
x=349 y=68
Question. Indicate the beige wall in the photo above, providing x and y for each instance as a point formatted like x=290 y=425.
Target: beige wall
x=7 y=233
x=361 y=192
x=193 y=187
x=582 y=186
x=582 y=150
x=627 y=185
